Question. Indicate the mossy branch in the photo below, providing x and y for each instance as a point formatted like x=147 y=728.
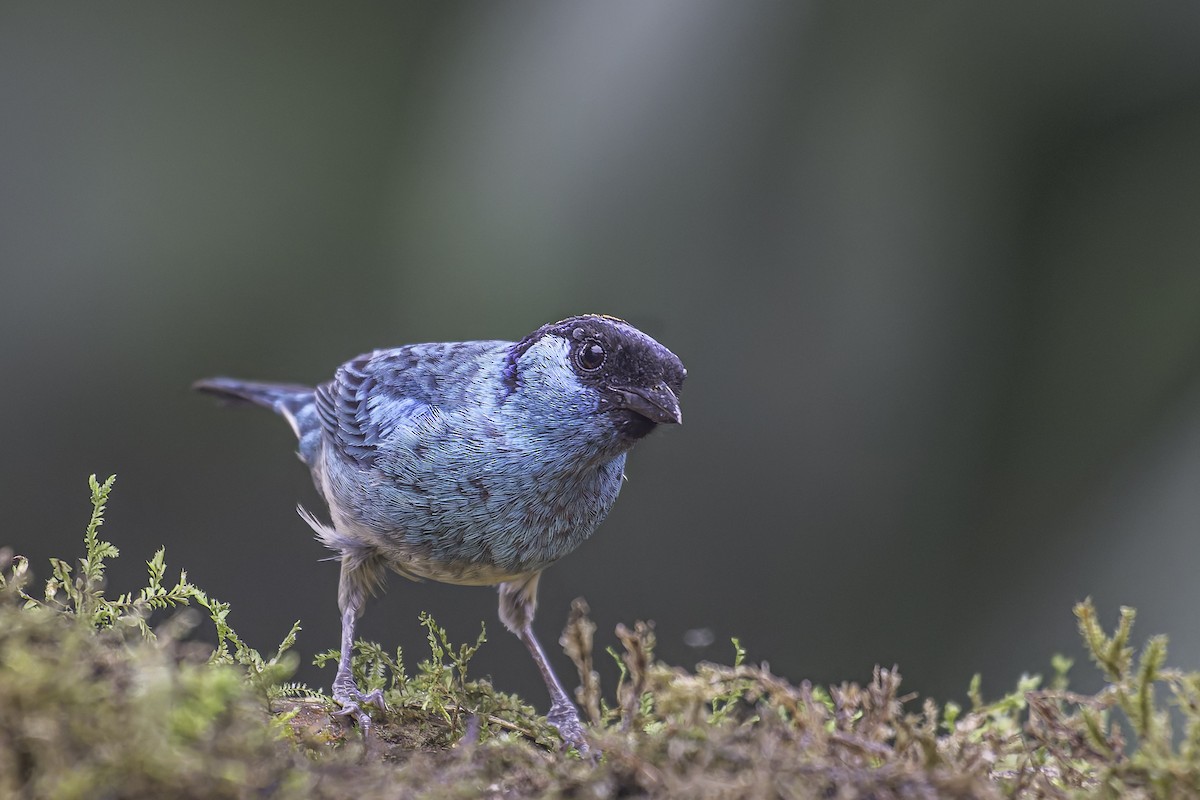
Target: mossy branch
x=90 y=708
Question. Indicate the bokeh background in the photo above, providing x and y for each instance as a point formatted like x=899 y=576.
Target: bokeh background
x=934 y=269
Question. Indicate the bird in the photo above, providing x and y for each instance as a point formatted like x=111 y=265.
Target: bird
x=473 y=463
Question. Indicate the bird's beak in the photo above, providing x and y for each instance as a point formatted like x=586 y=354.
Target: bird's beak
x=657 y=403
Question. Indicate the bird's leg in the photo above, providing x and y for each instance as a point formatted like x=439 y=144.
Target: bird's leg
x=562 y=715
x=345 y=692
x=518 y=601
x=356 y=579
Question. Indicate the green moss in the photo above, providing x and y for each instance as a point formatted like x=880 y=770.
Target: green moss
x=90 y=713
x=95 y=701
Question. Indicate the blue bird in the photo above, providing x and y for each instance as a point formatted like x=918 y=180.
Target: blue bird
x=475 y=463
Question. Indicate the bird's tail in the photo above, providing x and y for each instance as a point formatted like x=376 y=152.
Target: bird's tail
x=292 y=401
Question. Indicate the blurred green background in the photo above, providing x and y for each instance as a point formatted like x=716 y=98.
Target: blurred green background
x=934 y=269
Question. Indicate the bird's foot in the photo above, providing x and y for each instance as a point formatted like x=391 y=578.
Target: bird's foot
x=352 y=700
x=566 y=719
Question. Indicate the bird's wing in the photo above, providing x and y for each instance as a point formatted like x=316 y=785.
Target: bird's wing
x=373 y=395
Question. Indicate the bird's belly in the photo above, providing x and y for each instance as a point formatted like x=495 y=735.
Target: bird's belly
x=423 y=566
x=463 y=532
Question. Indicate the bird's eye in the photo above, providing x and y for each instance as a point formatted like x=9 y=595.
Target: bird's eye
x=590 y=356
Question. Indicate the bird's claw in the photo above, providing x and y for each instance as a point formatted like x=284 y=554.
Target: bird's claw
x=566 y=720
x=352 y=701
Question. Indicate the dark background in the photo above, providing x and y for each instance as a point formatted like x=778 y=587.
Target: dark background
x=934 y=269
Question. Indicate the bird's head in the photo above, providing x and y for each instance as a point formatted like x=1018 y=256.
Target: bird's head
x=636 y=382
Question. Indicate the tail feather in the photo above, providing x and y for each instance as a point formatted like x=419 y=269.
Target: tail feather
x=293 y=401
x=267 y=395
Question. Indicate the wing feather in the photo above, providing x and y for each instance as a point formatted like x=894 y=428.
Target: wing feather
x=373 y=395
